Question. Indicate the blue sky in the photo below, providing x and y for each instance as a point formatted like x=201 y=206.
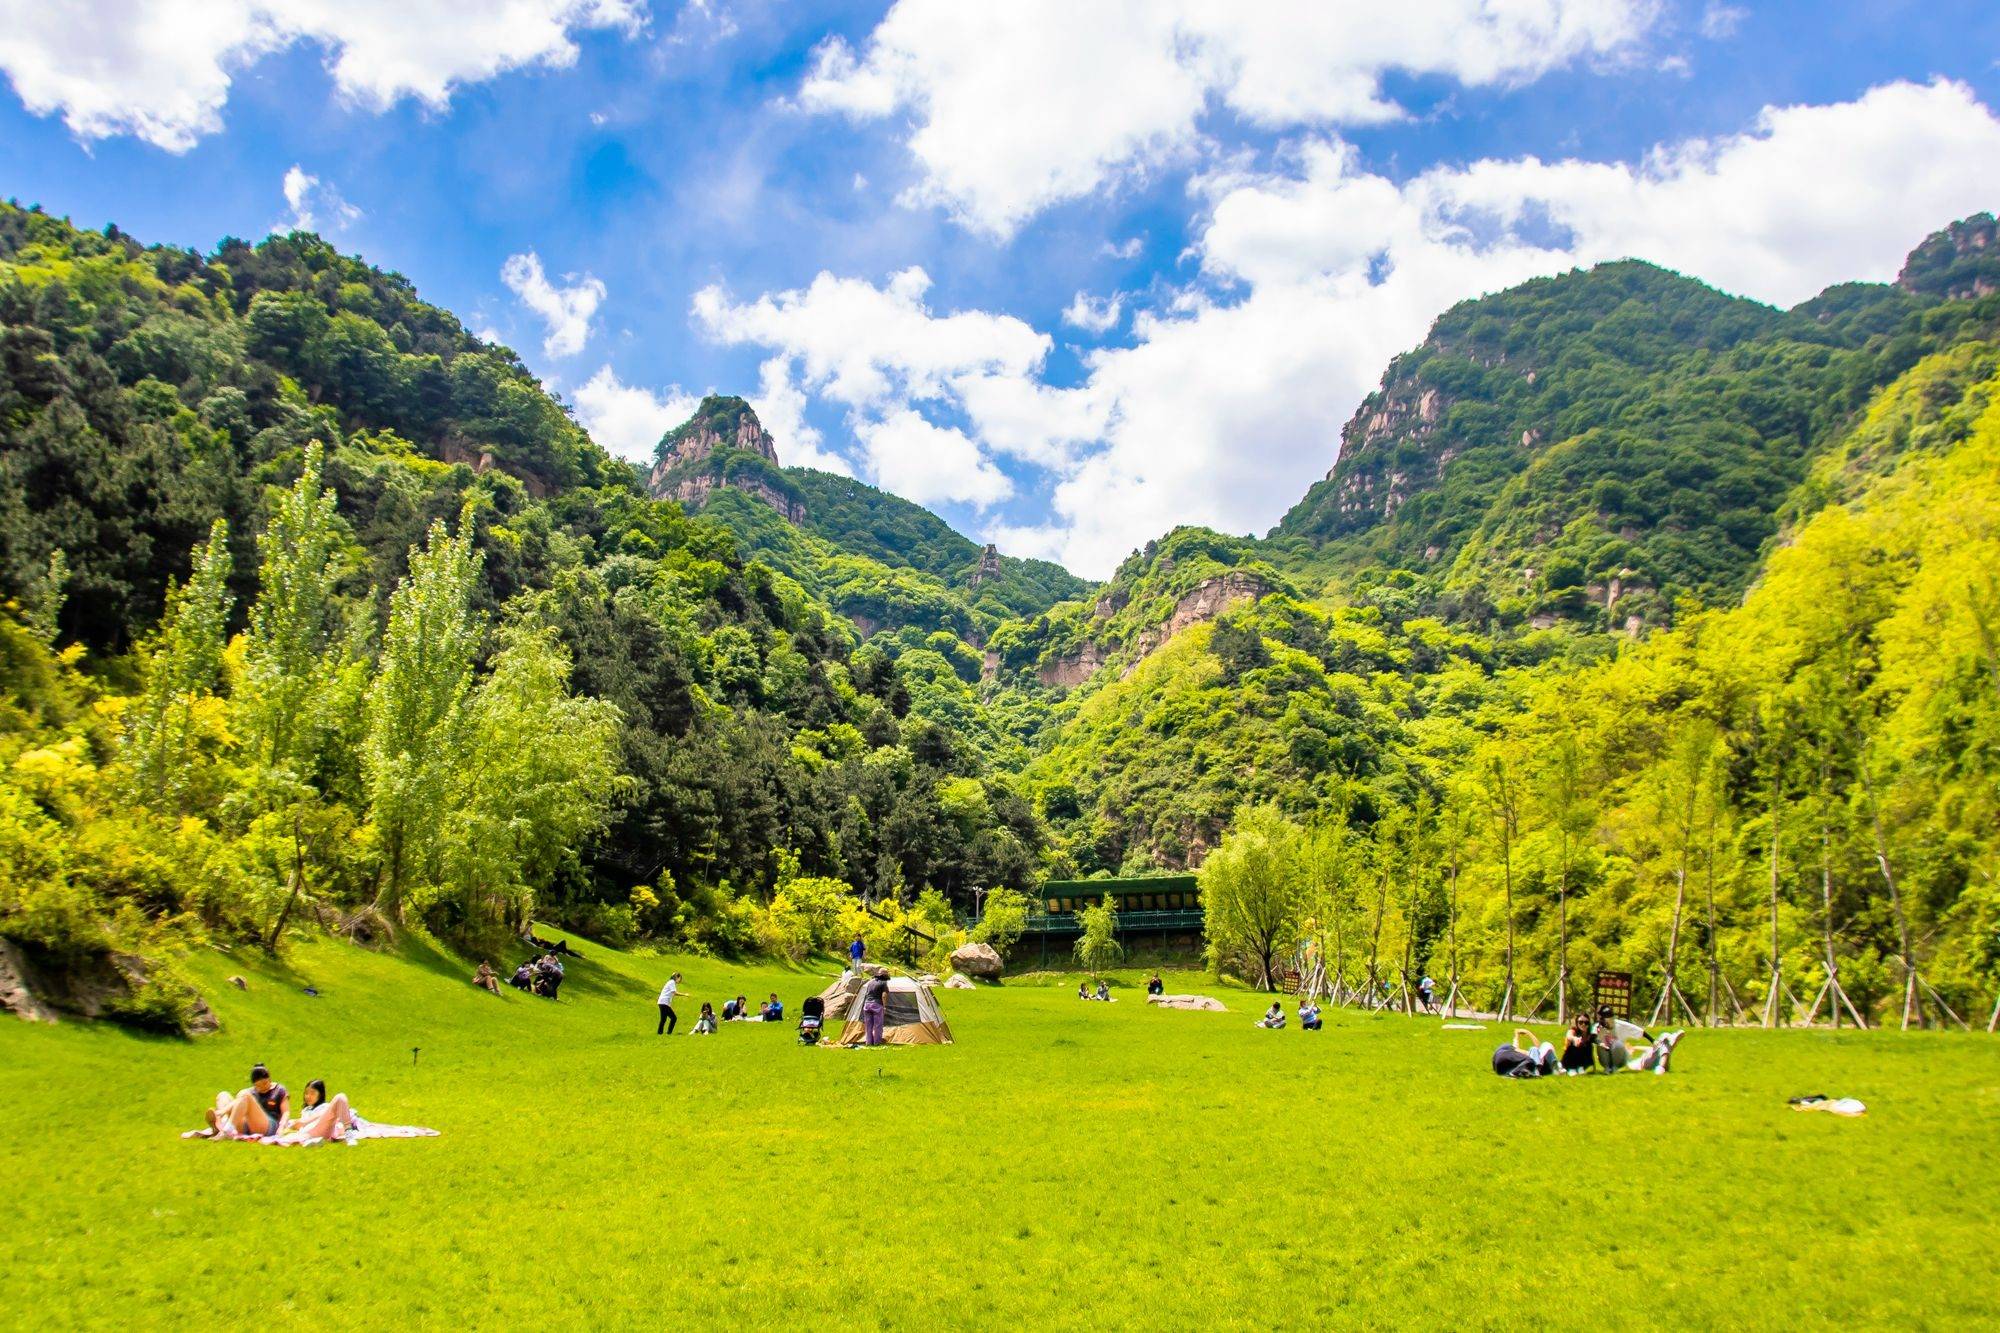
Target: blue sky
x=1067 y=273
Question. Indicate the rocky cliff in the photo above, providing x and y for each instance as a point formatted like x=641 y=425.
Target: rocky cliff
x=1959 y=263
x=722 y=444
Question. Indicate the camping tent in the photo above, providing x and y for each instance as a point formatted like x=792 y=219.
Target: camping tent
x=910 y=1016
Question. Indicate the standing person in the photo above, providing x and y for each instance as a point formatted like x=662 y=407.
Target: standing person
x=874 y=1004
x=668 y=1018
x=1425 y=988
x=856 y=952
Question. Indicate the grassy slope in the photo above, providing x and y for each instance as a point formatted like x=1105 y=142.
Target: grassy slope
x=1075 y=1165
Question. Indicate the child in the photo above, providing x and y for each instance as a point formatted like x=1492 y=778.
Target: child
x=1309 y=1019
x=1274 y=1017
x=704 y=1026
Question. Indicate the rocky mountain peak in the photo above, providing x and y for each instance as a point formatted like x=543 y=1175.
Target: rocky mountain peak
x=1959 y=263
x=721 y=422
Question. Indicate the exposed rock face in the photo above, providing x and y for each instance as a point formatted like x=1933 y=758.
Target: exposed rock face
x=977 y=960
x=718 y=424
x=1205 y=601
x=958 y=981
x=1188 y=1002
x=1960 y=263
x=989 y=566
x=46 y=990
x=482 y=460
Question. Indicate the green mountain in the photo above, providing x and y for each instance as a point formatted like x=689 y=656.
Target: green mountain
x=885 y=563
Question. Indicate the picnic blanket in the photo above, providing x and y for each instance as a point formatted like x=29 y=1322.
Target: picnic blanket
x=363 y=1129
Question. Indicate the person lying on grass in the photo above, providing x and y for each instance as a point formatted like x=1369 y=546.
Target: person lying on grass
x=704 y=1026
x=258 y=1111
x=1524 y=1057
x=1274 y=1017
x=1309 y=1019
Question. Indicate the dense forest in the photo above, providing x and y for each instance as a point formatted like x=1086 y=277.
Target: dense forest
x=1636 y=626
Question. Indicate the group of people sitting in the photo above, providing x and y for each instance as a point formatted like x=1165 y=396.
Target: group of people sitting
x=1309 y=1019
x=1603 y=1041
x=538 y=976
x=1103 y=991
x=264 y=1111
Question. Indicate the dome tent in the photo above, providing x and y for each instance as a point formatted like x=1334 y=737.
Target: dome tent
x=910 y=1016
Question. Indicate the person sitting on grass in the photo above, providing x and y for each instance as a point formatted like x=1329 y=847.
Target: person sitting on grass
x=1524 y=1057
x=1083 y=990
x=1613 y=1035
x=524 y=977
x=257 y=1112
x=1577 y=1043
x=773 y=1012
x=1274 y=1017
x=321 y=1119
x=1309 y=1019
x=704 y=1025
x=1155 y=986
x=735 y=1010
x=1103 y=991
x=486 y=979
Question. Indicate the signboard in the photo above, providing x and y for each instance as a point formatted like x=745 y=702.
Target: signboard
x=1614 y=992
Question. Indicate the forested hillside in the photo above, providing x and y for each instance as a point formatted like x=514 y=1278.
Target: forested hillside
x=1646 y=627
x=318 y=608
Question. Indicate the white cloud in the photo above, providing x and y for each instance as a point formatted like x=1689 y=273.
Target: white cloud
x=628 y=419
x=1720 y=21
x=1019 y=106
x=315 y=204
x=929 y=464
x=1128 y=248
x=161 y=71
x=1095 y=315
x=862 y=345
x=781 y=405
x=1222 y=409
x=566 y=310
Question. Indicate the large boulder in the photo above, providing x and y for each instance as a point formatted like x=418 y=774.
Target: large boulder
x=46 y=987
x=977 y=960
x=958 y=981
x=1188 y=1002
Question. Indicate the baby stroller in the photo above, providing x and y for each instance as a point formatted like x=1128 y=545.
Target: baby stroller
x=812 y=1016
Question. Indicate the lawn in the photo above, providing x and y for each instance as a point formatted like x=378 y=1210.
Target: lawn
x=1065 y=1164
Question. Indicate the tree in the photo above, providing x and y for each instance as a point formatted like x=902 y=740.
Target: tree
x=1565 y=806
x=183 y=659
x=1004 y=920
x=1503 y=804
x=1097 y=947
x=416 y=707
x=287 y=659
x=533 y=778
x=1252 y=895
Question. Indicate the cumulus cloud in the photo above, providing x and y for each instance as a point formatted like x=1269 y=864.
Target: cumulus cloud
x=928 y=463
x=314 y=204
x=629 y=419
x=1223 y=406
x=1016 y=107
x=781 y=405
x=566 y=311
x=161 y=71
x=1095 y=315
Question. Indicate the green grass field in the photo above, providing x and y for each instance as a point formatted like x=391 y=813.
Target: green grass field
x=1066 y=1164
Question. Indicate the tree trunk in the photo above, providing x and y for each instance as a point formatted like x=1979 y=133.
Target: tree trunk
x=298 y=887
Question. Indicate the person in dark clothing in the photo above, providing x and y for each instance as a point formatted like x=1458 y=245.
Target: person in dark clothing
x=1524 y=1057
x=258 y=1111
x=855 y=953
x=523 y=978
x=1577 y=1042
x=1155 y=986
x=874 y=1006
